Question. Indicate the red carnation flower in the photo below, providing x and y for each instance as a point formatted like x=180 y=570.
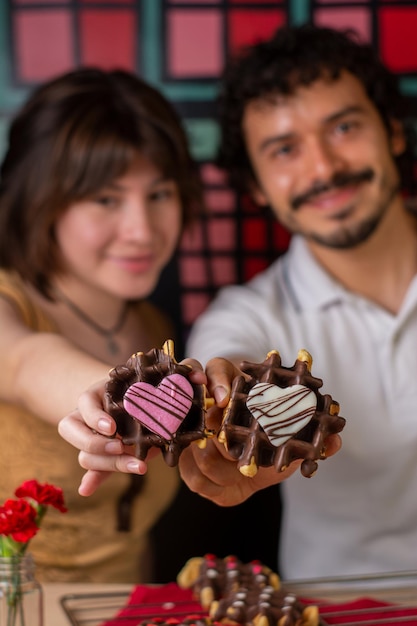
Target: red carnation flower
x=45 y=495
x=18 y=520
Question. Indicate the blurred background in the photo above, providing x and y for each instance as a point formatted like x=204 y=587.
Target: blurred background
x=180 y=47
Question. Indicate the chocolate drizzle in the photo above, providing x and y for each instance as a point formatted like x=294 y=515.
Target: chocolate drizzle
x=161 y=408
x=281 y=412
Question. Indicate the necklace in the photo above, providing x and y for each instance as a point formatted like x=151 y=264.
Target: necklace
x=108 y=333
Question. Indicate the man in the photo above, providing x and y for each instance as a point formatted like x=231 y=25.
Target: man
x=313 y=127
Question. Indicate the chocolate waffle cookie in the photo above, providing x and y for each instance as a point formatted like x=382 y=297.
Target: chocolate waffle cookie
x=278 y=415
x=212 y=578
x=155 y=404
x=263 y=606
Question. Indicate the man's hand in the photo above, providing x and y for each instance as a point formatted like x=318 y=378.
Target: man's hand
x=211 y=471
x=213 y=474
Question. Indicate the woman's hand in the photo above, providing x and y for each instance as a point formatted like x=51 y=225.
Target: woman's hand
x=90 y=429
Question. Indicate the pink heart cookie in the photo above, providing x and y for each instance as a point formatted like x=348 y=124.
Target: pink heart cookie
x=282 y=412
x=163 y=408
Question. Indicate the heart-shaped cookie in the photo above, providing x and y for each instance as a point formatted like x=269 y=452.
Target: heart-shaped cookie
x=281 y=412
x=163 y=408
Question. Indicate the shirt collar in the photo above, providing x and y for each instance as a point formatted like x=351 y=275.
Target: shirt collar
x=308 y=283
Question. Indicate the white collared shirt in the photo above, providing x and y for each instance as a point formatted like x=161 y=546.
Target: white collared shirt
x=358 y=514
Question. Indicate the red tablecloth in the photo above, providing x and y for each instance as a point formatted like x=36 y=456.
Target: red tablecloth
x=169 y=601
x=166 y=601
x=370 y=612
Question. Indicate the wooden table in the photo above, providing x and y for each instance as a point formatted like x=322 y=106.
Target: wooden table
x=54 y=615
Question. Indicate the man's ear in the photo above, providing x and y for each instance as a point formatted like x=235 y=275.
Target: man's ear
x=397 y=137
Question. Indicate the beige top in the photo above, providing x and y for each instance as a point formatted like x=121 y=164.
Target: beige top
x=84 y=543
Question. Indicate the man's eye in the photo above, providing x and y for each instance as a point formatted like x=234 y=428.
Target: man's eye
x=283 y=151
x=345 y=127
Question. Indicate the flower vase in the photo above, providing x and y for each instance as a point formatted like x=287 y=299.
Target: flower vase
x=21 y=602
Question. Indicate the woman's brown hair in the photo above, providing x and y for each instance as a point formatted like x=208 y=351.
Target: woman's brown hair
x=75 y=135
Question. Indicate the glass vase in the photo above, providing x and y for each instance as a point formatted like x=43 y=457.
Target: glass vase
x=21 y=602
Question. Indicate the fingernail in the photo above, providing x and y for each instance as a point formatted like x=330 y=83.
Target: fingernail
x=133 y=466
x=220 y=393
x=105 y=425
x=114 y=447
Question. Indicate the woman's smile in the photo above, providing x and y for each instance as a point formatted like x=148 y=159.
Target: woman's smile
x=134 y=264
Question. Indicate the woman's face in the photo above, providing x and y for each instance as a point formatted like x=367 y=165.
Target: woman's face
x=118 y=240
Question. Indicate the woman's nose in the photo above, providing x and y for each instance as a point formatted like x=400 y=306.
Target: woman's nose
x=136 y=222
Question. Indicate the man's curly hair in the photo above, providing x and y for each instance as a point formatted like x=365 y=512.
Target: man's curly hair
x=298 y=56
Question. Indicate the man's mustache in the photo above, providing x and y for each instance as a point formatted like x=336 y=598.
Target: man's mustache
x=343 y=179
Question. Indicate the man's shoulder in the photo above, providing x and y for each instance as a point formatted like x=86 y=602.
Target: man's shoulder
x=263 y=281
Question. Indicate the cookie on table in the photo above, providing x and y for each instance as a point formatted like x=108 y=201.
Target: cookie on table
x=278 y=415
x=263 y=606
x=154 y=404
x=212 y=578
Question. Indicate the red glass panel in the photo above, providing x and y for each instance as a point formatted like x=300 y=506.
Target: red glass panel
x=254 y=234
x=194 y=43
x=108 y=38
x=398 y=40
x=253 y=266
x=246 y=27
x=44 y=43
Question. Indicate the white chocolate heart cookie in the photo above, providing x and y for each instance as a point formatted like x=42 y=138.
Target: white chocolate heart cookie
x=282 y=412
x=162 y=409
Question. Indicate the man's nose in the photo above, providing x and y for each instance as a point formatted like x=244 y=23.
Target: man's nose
x=322 y=161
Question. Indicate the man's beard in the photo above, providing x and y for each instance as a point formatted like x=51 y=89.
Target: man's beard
x=349 y=237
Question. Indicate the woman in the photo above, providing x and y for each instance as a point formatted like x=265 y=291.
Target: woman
x=96 y=187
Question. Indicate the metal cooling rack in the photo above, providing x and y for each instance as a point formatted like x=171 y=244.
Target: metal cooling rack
x=400 y=589
x=95 y=608
x=92 y=609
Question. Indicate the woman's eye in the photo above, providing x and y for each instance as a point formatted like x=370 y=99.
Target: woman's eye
x=159 y=195
x=106 y=201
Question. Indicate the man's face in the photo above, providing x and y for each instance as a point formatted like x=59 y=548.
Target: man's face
x=323 y=160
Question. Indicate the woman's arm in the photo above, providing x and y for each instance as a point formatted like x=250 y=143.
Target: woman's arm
x=42 y=372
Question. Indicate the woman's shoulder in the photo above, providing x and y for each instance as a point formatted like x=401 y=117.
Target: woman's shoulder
x=13 y=290
x=10 y=280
